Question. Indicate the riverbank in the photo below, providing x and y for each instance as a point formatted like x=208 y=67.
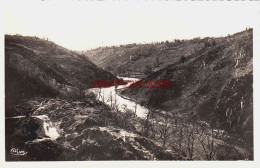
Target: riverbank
x=222 y=139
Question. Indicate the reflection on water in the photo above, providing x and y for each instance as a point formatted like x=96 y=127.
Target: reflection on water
x=105 y=94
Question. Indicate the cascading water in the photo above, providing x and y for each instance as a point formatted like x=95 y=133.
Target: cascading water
x=49 y=127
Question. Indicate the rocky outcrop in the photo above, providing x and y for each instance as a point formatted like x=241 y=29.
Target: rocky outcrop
x=110 y=143
x=85 y=133
x=235 y=105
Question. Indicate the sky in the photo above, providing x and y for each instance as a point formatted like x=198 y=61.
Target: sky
x=86 y=25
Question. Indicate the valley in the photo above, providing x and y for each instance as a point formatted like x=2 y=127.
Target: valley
x=53 y=113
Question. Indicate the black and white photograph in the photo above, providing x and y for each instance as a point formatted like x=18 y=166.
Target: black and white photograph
x=129 y=81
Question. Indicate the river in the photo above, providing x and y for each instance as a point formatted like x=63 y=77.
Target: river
x=48 y=129
x=105 y=95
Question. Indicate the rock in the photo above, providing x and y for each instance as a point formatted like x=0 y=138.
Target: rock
x=109 y=143
x=45 y=150
x=29 y=129
x=70 y=137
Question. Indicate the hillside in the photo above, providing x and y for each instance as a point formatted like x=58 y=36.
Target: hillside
x=206 y=113
x=88 y=130
x=50 y=114
x=36 y=66
x=120 y=59
x=214 y=84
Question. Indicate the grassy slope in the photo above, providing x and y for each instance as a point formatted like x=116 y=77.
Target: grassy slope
x=215 y=83
x=42 y=65
x=158 y=55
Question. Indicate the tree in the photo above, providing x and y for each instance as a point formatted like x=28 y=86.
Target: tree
x=208 y=144
x=214 y=43
x=148 y=70
x=180 y=134
x=177 y=41
x=111 y=99
x=183 y=59
x=164 y=129
x=121 y=70
x=157 y=62
x=103 y=96
x=115 y=103
x=109 y=68
x=190 y=138
x=207 y=44
x=135 y=108
x=146 y=125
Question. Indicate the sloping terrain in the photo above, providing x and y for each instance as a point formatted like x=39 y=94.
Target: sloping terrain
x=48 y=108
x=50 y=116
x=36 y=66
x=88 y=130
x=215 y=83
x=155 y=56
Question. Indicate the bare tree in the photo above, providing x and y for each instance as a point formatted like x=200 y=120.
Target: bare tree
x=180 y=136
x=135 y=108
x=164 y=128
x=190 y=138
x=208 y=144
x=115 y=106
x=147 y=124
x=103 y=96
x=178 y=133
x=111 y=99
x=99 y=93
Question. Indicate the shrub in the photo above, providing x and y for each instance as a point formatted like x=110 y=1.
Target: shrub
x=148 y=70
x=90 y=95
x=214 y=43
x=228 y=152
x=157 y=62
x=183 y=59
